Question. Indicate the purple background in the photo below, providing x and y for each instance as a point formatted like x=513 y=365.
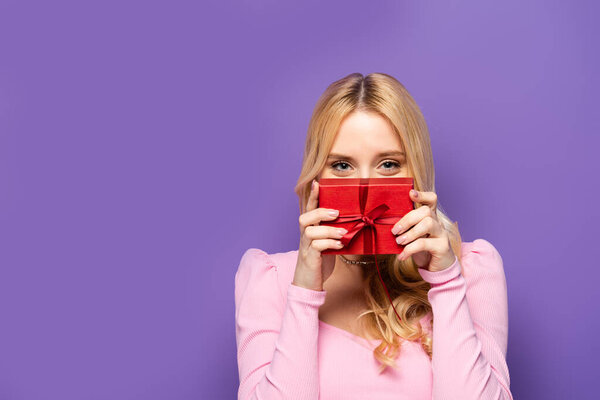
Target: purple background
x=144 y=146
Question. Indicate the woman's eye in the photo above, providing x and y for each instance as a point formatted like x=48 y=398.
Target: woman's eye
x=391 y=164
x=340 y=163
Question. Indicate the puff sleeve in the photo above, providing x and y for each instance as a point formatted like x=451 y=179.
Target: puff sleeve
x=276 y=333
x=470 y=326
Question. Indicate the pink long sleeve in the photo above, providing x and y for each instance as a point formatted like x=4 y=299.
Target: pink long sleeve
x=470 y=328
x=276 y=339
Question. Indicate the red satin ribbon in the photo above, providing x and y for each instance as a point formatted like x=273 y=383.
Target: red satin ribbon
x=368 y=221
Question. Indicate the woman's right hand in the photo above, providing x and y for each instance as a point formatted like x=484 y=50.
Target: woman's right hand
x=312 y=267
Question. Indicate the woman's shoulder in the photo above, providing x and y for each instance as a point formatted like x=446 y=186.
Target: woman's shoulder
x=273 y=271
x=258 y=258
x=480 y=259
x=478 y=245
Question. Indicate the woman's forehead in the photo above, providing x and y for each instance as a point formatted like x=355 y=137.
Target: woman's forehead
x=366 y=136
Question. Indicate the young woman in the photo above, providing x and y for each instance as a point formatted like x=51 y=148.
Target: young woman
x=312 y=325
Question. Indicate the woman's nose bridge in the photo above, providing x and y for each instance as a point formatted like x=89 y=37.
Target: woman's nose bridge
x=368 y=172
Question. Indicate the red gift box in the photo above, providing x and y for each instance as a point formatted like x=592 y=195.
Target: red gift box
x=369 y=208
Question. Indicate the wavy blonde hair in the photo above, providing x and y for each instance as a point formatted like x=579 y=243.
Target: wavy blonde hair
x=382 y=94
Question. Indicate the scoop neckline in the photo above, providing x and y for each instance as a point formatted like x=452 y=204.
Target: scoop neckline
x=366 y=343
x=370 y=345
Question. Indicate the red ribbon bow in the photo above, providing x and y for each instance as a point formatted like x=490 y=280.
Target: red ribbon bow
x=368 y=221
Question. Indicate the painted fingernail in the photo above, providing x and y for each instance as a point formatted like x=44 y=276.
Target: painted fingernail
x=414 y=193
x=396 y=229
x=342 y=231
x=401 y=239
x=333 y=213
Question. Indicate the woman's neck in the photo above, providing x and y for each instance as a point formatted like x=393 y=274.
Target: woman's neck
x=352 y=272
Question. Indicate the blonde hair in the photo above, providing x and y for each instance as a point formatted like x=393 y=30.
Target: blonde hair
x=382 y=94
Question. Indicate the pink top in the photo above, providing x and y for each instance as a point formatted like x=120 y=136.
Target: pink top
x=285 y=351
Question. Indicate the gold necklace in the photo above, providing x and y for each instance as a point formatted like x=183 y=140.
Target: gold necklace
x=344 y=259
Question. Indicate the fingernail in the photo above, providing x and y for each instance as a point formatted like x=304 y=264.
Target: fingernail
x=396 y=229
x=333 y=213
x=414 y=193
x=312 y=185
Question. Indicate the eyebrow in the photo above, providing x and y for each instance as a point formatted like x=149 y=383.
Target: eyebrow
x=383 y=154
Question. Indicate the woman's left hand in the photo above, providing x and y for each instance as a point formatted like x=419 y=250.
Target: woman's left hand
x=423 y=235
